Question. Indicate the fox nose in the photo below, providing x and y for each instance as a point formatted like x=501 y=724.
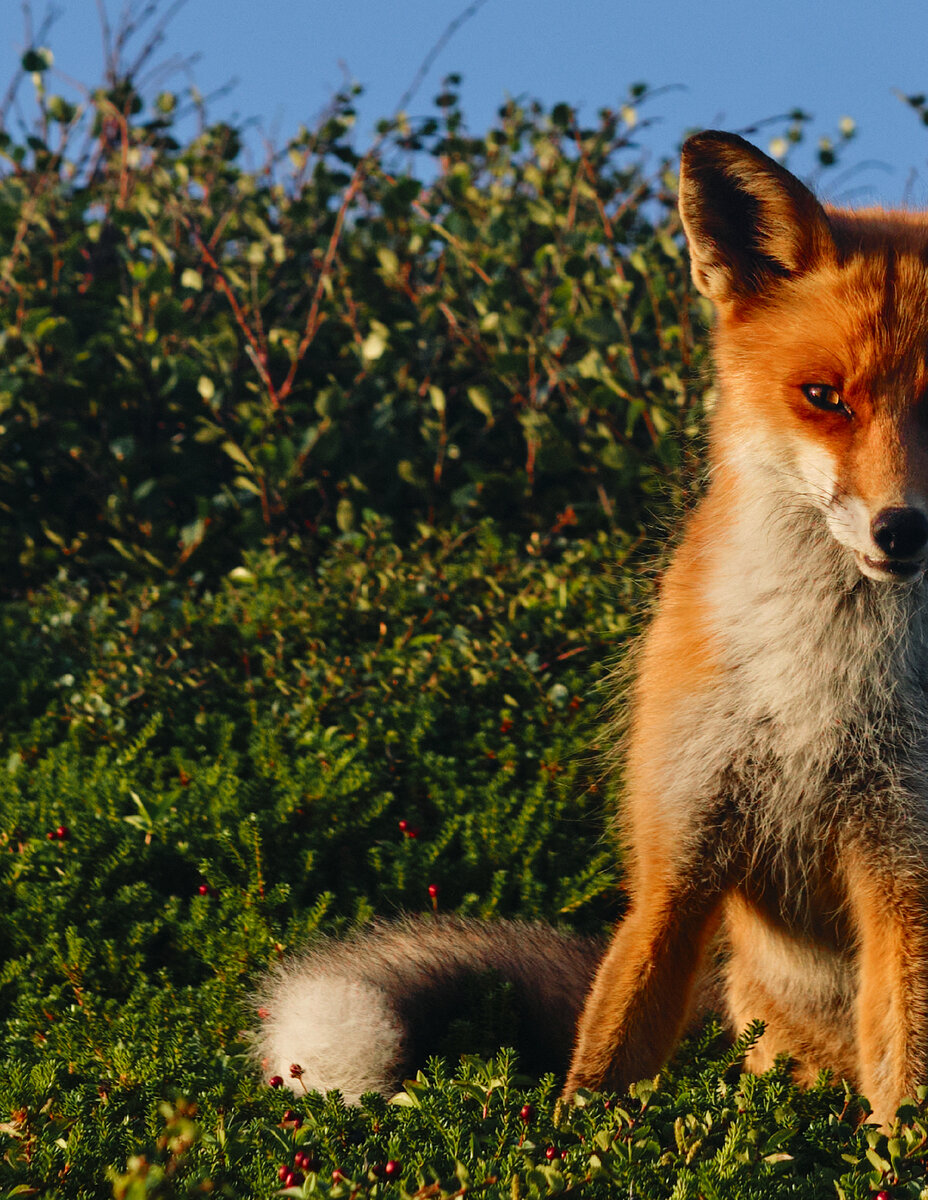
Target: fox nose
x=900 y=532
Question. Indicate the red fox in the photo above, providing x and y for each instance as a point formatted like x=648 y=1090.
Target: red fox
x=776 y=772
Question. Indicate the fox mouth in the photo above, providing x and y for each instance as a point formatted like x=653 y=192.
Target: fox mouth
x=906 y=570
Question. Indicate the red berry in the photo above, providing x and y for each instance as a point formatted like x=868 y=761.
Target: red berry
x=50 y=835
x=433 y=890
x=412 y=831
x=403 y=826
x=551 y=1153
x=882 y=1196
x=289 y=1179
x=203 y=889
x=336 y=1174
x=62 y=833
x=276 y=1081
x=391 y=1168
x=283 y=1173
x=526 y=1112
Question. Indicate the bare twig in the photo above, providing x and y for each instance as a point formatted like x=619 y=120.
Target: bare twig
x=314 y=318
x=426 y=65
x=32 y=39
x=106 y=33
x=256 y=354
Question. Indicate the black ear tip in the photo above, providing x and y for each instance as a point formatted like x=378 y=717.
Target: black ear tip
x=712 y=142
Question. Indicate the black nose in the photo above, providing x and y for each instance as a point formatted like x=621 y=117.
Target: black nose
x=900 y=532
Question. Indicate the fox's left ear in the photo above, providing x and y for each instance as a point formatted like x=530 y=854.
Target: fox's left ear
x=748 y=221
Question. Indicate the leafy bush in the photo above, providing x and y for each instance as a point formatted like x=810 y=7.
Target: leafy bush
x=197 y=359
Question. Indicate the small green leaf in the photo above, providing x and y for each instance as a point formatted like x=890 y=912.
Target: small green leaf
x=37 y=60
x=344 y=515
x=60 y=110
x=238 y=455
x=480 y=399
x=375 y=343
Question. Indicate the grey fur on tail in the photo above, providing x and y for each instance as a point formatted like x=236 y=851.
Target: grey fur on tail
x=363 y=1014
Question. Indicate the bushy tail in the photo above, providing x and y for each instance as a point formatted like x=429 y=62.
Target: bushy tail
x=362 y=1015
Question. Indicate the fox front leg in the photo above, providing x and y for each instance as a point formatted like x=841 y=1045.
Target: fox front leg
x=638 y=1005
x=889 y=908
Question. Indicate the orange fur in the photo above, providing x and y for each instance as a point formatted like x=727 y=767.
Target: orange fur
x=777 y=768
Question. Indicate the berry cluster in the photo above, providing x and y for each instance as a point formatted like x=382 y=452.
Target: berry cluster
x=295 y=1174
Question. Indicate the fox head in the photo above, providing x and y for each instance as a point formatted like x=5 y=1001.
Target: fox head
x=821 y=348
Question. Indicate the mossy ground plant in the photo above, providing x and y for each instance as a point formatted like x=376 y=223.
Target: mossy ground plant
x=330 y=497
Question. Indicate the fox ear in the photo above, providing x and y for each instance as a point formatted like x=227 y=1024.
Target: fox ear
x=748 y=221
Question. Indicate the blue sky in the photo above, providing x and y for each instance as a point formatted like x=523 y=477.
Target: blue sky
x=735 y=61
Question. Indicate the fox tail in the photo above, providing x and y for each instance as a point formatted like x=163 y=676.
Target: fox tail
x=363 y=1014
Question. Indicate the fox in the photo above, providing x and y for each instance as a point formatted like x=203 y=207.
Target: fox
x=774 y=807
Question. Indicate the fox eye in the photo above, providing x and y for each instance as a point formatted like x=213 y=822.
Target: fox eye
x=825 y=397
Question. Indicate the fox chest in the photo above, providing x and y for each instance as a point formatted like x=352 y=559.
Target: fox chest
x=776 y=776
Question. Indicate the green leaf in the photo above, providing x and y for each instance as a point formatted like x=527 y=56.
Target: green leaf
x=237 y=454
x=344 y=515
x=37 y=60
x=480 y=399
x=375 y=343
x=60 y=110
x=192 y=535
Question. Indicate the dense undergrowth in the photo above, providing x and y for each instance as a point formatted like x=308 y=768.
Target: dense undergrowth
x=198 y=780
x=330 y=494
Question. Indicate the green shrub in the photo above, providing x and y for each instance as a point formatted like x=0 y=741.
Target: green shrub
x=198 y=359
